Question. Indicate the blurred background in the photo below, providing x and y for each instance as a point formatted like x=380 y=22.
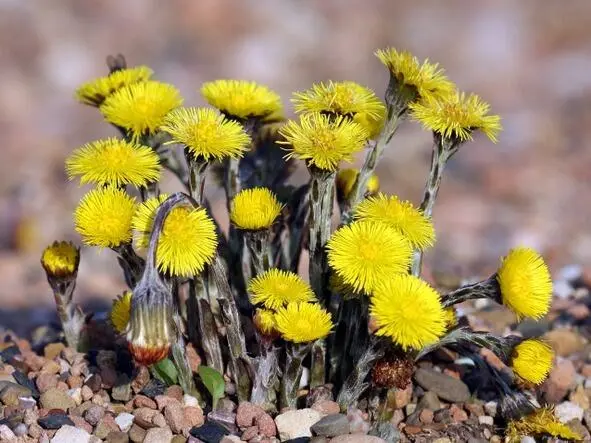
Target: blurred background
x=531 y=60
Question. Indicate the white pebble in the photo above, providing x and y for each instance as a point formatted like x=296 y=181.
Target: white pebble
x=562 y=289
x=486 y=420
x=189 y=400
x=124 y=421
x=568 y=411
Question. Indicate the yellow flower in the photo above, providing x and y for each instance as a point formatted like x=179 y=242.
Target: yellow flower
x=365 y=253
x=120 y=311
x=242 y=99
x=206 y=133
x=264 y=320
x=96 y=91
x=303 y=322
x=348 y=99
x=541 y=422
x=114 y=161
x=526 y=286
x=255 y=208
x=401 y=215
x=532 y=360
x=103 y=217
x=450 y=318
x=140 y=108
x=407 y=310
x=275 y=288
x=322 y=141
x=346 y=179
x=187 y=242
x=61 y=259
x=457 y=116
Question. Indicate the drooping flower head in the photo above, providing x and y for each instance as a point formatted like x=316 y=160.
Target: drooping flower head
x=411 y=79
x=532 y=360
x=120 y=312
x=187 y=242
x=275 y=288
x=346 y=180
x=540 y=423
x=456 y=116
x=348 y=99
x=95 y=92
x=401 y=215
x=303 y=322
x=242 y=99
x=264 y=320
x=450 y=317
x=364 y=253
x=206 y=133
x=525 y=283
x=140 y=108
x=103 y=217
x=255 y=208
x=323 y=142
x=114 y=161
x=407 y=310
x=61 y=259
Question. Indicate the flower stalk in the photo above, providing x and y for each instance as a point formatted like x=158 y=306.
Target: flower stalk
x=131 y=263
x=197 y=175
x=296 y=352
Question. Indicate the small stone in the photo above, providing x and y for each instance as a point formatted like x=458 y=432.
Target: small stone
x=458 y=415
x=577 y=426
x=26 y=403
x=231 y=439
x=86 y=393
x=173 y=413
x=6 y=433
x=71 y=434
x=55 y=421
x=490 y=408
x=294 y=424
x=79 y=422
x=189 y=400
x=11 y=392
x=476 y=409
x=35 y=430
x=447 y=388
x=224 y=418
x=357 y=438
x=159 y=420
x=178 y=439
x=141 y=401
x=51 y=367
x=109 y=377
x=153 y=388
x=93 y=414
x=326 y=407
x=442 y=440
x=117 y=437
x=568 y=411
x=565 y=342
x=105 y=426
x=124 y=421
x=158 y=435
x=210 y=432
x=397 y=417
x=164 y=400
x=429 y=400
x=137 y=434
x=246 y=413
x=94 y=382
x=20 y=430
x=74 y=381
x=76 y=395
x=56 y=399
x=579 y=311
x=331 y=425
x=560 y=381
x=194 y=416
x=266 y=425
x=426 y=416
x=175 y=391
x=579 y=397
x=46 y=381
x=486 y=420
x=143 y=417
x=410 y=408
x=122 y=389
x=141 y=379
x=399 y=398
x=53 y=350
x=250 y=433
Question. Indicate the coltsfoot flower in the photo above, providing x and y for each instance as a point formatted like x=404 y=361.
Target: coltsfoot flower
x=303 y=322
x=365 y=253
x=323 y=142
x=207 y=134
x=276 y=288
x=542 y=422
x=150 y=331
x=120 y=311
x=532 y=360
x=264 y=320
x=143 y=219
x=243 y=99
x=456 y=116
x=103 y=217
x=346 y=180
x=254 y=209
x=114 y=161
x=525 y=283
x=60 y=260
x=401 y=215
x=450 y=317
x=140 y=108
x=407 y=310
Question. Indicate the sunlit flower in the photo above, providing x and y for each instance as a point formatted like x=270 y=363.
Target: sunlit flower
x=264 y=320
x=96 y=91
x=542 y=422
x=532 y=360
x=303 y=322
x=120 y=311
x=276 y=288
x=61 y=259
x=450 y=317
x=457 y=116
x=365 y=253
x=346 y=180
x=401 y=215
x=242 y=99
x=255 y=208
x=140 y=108
x=525 y=282
x=114 y=161
x=407 y=310
x=143 y=219
x=103 y=217
x=322 y=141
x=206 y=133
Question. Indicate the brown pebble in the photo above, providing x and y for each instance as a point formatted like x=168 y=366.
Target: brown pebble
x=250 y=433
x=46 y=381
x=266 y=425
x=94 y=382
x=412 y=430
x=426 y=416
x=326 y=407
x=159 y=420
x=50 y=367
x=141 y=401
x=173 y=413
x=193 y=416
x=81 y=423
x=142 y=377
x=164 y=400
x=137 y=434
x=458 y=415
x=74 y=381
x=86 y=393
x=52 y=350
x=175 y=391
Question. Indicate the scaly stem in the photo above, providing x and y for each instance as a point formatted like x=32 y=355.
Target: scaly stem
x=488 y=288
x=180 y=360
x=296 y=352
x=197 y=174
x=70 y=315
x=257 y=243
x=266 y=380
x=130 y=262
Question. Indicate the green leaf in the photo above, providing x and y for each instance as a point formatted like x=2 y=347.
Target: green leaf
x=165 y=371
x=213 y=381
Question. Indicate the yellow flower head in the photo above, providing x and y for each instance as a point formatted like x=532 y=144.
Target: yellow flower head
x=427 y=80
x=264 y=320
x=187 y=242
x=322 y=141
x=541 y=422
x=457 y=116
x=365 y=253
x=401 y=215
x=450 y=318
x=255 y=208
x=346 y=179
x=532 y=360
x=303 y=322
x=242 y=99
x=140 y=108
x=206 y=133
x=114 y=161
x=61 y=259
x=96 y=91
x=407 y=310
x=120 y=311
x=348 y=99
x=525 y=282
x=103 y=217
x=276 y=288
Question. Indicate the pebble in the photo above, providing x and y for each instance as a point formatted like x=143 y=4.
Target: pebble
x=105 y=426
x=79 y=422
x=175 y=391
x=53 y=350
x=76 y=395
x=173 y=413
x=294 y=424
x=94 y=382
x=71 y=434
x=55 y=421
x=565 y=342
x=194 y=416
x=158 y=435
x=426 y=416
x=159 y=420
x=458 y=415
x=399 y=398
x=141 y=379
x=210 y=432
x=11 y=392
x=246 y=414
x=357 y=421
x=560 y=381
x=46 y=381
x=20 y=430
x=486 y=420
x=122 y=389
x=580 y=398
x=331 y=425
x=86 y=393
x=164 y=400
x=490 y=408
x=143 y=417
x=117 y=437
x=93 y=414
x=153 y=388
x=568 y=411
x=446 y=387
x=224 y=418
x=189 y=400
x=6 y=433
x=137 y=434
x=124 y=421
x=266 y=425
x=357 y=438
x=429 y=400
x=250 y=433
x=326 y=407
